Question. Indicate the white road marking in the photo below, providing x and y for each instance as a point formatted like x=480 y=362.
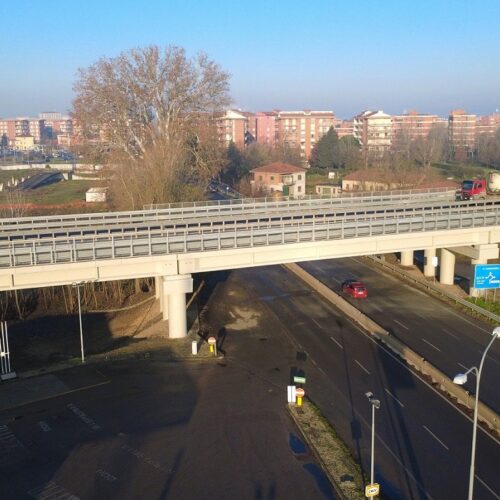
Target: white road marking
x=401 y=324
x=435 y=437
x=449 y=333
x=432 y=345
x=419 y=315
x=394 y=397
x=313 y=362
x=362 y=367
x=494 y=493
x=335 y=279
x=463 y=366
x=470 y=322
x=316 y=323
x=374 y=306
x=105 y=475
x=51 y=490
x=83 y=417
x=44 y=426
x=321 y=370
x=141 y=456
x=337 y=342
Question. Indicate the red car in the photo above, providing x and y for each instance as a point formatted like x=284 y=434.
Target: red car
x=355 y=289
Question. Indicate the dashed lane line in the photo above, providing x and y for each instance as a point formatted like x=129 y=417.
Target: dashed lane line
x=449 y=333
x=394 y=397
x=401 y=324
x=362 y=367
x=435 y=437
x=337 y=342
x=432 y=345
x=494 y=493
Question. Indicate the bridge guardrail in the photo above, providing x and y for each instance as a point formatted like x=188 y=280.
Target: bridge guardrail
x=480 y=310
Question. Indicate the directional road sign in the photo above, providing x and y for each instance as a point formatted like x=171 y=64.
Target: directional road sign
x=299 y=380
x=487 y=276
x=372 y=490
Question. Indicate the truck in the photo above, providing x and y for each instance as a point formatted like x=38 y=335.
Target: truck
x=472 y=189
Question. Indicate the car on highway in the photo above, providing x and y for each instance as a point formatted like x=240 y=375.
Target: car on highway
x=355 y=289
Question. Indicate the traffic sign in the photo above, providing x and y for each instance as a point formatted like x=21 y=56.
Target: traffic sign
x=299 y=392
x=212 y=340
x=299 y=380
x=372 y=490
x=486 y=276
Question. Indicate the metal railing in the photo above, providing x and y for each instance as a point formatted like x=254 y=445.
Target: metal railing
x=216 y=208
x=248 y=235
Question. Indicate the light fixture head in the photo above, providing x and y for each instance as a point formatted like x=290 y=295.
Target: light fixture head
x=460 y=379
x=496 y=331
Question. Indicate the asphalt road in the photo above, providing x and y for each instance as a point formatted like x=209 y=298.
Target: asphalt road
x=153 y=430
x=423 y=442
x=447 y=338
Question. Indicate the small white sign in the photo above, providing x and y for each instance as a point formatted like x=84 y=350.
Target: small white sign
x=292 y=396
x=435 y=261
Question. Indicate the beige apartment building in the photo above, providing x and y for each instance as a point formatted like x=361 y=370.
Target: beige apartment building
x=413 y=125
x=303 y=128
x=24 y=143
x=373 y=129
x=233 y=126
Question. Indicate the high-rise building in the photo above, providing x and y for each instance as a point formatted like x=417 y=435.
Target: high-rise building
x=266 y=127
x=303 y=128
x=413 y=125
x=373 y=129
x=233 y=127
x=488 y=124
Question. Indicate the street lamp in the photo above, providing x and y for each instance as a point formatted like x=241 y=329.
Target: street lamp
x=375 y=406
x=77 y=286
x=461 y=379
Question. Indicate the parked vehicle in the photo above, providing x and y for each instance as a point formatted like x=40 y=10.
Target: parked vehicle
x=472 y=189
x=355 y=289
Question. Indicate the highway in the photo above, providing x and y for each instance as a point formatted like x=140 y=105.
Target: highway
x=341 y=364
x=448 y=339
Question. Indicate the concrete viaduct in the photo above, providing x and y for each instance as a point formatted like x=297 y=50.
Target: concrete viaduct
x=173 y=243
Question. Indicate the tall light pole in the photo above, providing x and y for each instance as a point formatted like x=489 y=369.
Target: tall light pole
x=461 y=379
x=77 y=286
x=375 y=406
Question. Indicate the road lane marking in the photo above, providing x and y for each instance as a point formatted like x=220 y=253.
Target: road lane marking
x=435 y=437
x=83 y=417
x=313 y=362
x=316 y=323
x=377 y=308
x=449 y=333
x=401 y=324
x=362 y=367
x=461 y=365
x=432 y=345
x=44 y=426
x=337 y=342
x=141 y=456
x=51 y=490
x=321 y=370
x=494 y=493
x=105 y=475
x=394 y=397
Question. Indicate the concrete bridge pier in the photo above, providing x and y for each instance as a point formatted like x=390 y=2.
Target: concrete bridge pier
x=173 y=303
x=429 y=268
x=407 y=258
x=447 y=269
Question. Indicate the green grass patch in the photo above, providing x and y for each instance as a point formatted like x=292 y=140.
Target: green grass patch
x=55 y=194
x=7 y=175
x=461 y=171
x=489 y=305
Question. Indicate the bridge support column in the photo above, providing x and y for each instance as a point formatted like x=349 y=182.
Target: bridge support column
x=429 y=268
x=176 y=288
x=447 y=270
x=157 y=287
x=407 y=258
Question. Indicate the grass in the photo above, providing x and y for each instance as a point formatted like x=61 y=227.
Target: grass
x=489 y=305
x=6 y=175
x=55 y=194
x=462 y=171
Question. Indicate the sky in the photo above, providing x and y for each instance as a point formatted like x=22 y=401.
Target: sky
x=345 y=56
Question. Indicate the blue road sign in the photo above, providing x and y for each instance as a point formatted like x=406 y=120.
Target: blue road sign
x=487 y=276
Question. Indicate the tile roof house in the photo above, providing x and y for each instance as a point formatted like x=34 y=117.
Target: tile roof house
x=279 y=177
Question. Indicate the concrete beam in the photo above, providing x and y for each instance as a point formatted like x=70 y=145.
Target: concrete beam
x=479 y=252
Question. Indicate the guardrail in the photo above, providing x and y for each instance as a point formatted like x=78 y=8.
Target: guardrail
x=430 y=286
x=247 y=234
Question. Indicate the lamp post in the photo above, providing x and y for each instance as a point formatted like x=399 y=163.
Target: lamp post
x=77 y=286
x=461 y=379
x=375 y=406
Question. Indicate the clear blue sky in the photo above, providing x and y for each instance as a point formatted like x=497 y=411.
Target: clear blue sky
x=345 y=56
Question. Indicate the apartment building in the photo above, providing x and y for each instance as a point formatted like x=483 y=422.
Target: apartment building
x=488 y=124
x=8 y=128
x=461 y=133
x=373 y=129
x=413 y=125
x=266 y=127
x=303 y=128
x=344 y=128
x=233 y=127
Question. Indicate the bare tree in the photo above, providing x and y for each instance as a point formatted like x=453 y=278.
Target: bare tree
x=426 y=150
x=154 y=109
